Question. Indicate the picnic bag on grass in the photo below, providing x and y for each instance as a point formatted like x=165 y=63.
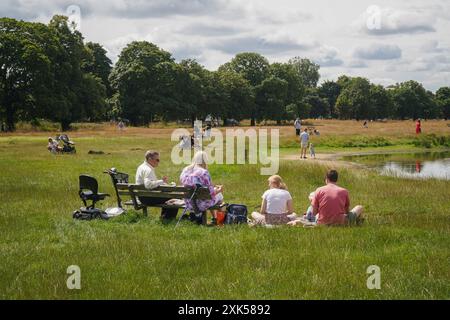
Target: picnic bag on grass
x=236 y=213
x=89 y=214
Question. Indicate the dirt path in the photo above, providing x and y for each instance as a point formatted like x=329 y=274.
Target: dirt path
x=328 y=159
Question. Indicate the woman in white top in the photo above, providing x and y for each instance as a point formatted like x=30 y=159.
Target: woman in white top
x=277 y=206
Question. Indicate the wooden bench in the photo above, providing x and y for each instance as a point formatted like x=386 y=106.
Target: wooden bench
x=134 y=191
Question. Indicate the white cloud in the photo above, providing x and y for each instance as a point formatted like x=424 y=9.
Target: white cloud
x=383 y=81
x=378 y=51
x=328 y=57
x=388 y=21
x=412 y=43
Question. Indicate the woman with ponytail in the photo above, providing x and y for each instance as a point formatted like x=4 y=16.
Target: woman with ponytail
x=277 y=205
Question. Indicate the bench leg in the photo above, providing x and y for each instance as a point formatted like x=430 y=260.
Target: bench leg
x=144 y=210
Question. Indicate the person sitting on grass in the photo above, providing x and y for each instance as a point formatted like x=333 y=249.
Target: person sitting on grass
x=197 y=174
x=277 y=205
x=309 y=215
x=53 y=146
x=331 y=203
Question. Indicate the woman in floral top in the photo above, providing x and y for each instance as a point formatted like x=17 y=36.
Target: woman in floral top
x=197 y=173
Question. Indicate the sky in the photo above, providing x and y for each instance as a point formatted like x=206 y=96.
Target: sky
x=386 y=41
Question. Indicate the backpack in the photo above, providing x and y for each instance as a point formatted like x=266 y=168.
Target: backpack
x=236 y=214
x=89 y=214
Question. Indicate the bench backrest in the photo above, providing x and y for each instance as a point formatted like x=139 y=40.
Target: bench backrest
x=168 y=192
x=123 y=188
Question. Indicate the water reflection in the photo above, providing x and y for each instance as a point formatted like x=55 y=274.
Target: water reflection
x=417 y=165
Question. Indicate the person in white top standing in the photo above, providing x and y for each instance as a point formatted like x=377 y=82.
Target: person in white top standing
x=146 y=176
x=298 y=126
x=277 y=205
x=304 y=139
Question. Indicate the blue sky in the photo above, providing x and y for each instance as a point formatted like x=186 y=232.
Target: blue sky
x=385 y=41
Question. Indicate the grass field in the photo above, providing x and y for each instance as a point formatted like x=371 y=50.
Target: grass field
x=407 y=232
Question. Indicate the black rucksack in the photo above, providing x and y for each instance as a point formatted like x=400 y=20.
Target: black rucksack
x=236 y=213
x=89 y=214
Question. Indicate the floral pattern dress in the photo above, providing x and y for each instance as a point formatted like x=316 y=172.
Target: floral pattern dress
x=197 y=175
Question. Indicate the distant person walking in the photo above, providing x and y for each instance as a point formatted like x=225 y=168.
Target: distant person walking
x=304 y=140
x=312 y=152
x=418 y=127
x=121 y=125
x=298 y=126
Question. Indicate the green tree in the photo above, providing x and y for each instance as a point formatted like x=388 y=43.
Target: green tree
x=92 y=96
x=380 y=102
x=238 y=96
x=216 y=100
x=343 y=81
x=25 y=68
x=137 y=76
x=443 y=101
x=411 y=100
x=66 y=103
x=251 y=66
x=318 y=106
x=330 y=91
x=307 y=70
x=354 y=100
x=193 y=84
x=296 y=89
x=98 y=64
x=271 y=97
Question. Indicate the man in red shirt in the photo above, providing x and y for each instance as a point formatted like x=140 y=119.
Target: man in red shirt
x=331 y=204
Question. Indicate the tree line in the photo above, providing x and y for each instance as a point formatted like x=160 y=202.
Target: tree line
x=49 y=72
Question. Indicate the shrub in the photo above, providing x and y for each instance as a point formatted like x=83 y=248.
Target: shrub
x=431 y=140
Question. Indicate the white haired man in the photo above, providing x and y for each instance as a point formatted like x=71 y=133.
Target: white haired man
x=146 y=175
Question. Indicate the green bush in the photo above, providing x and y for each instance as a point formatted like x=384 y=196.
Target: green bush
x=38 y=125
x=431 y=140
x=356 y=142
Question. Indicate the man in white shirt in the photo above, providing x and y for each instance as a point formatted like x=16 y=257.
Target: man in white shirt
x=298 y=126
x=146 y=175
x=304 y=139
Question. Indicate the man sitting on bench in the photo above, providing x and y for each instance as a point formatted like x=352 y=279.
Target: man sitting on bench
x=146 y=175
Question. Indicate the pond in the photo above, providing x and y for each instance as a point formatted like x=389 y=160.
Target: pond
x=408 y=165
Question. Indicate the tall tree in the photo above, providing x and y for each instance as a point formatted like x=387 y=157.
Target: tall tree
x=192 y=82
x=318 y=106
x=98 y=63
x=287 y=72
x=136 y=78
x=411 y=100
x=66 y=105
x=25 y=68
x=354 y=100
x=307 y=70
x=343 y=81
x=271 y=97
x=443 y=101
x=253 y=67
x=238 y=95
x=380 y=101
x=330 y=91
